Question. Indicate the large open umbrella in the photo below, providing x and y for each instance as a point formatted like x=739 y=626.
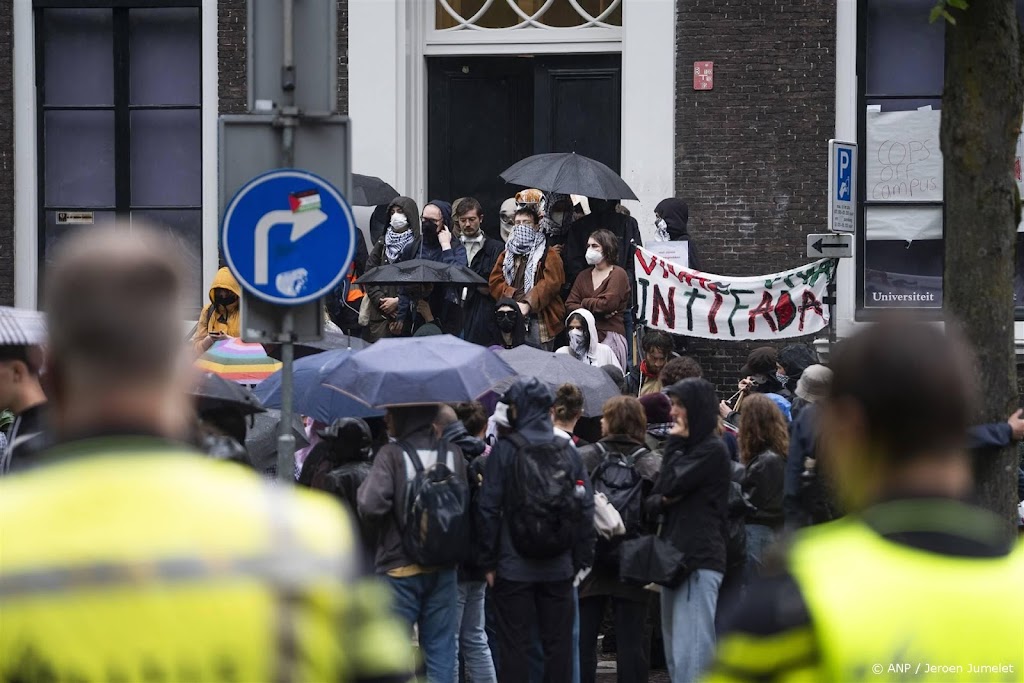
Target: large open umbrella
x=368 y=190
x=238 y=361
x=21 y=327
x=568 y=173
x=421 y=271
x=556 y=369
x=211 y=391
x=417 y=371
x=261 y=439
x=312 y=398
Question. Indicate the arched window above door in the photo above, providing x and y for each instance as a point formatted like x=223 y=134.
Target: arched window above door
x=482 y=15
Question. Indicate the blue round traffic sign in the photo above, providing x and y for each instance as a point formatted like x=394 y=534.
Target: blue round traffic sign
x=288 y=236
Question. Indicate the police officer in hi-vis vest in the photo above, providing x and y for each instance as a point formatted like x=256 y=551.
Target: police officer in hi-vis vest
x=126 y=555
x=916 y=583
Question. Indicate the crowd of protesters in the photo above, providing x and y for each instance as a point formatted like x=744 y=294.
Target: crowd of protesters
x=501 y=528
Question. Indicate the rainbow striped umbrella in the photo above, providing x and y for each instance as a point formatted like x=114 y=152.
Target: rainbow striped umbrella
x=235 y=360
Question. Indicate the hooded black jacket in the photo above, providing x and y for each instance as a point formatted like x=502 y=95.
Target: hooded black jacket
x=676 y=213
x=694 y=483
x=495 y=337
x=340 y=471
x=532 y=401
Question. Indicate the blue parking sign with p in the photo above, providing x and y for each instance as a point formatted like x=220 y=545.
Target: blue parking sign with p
x=844 y=173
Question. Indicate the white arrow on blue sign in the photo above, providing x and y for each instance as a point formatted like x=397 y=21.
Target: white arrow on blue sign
x=288 y=236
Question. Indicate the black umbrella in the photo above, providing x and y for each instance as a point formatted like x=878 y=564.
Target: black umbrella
x=568 y=173
x=556 y=369
x=332 y=340
x=21 y=327
x=421 y=271
x=368 y=190
x=261 y=439
x=211 y=392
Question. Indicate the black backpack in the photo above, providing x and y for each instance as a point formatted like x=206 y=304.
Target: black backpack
x=618 y=479
x=542 y=508
x=435 y=531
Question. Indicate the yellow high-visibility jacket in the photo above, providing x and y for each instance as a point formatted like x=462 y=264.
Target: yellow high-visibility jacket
x=868 y=599
x=136 y=560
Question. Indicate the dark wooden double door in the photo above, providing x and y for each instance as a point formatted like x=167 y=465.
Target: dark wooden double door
x=486 y=113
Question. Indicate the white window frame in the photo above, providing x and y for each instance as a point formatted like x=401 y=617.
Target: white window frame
x=388 y=83
x=846 y=129
x=26 y=156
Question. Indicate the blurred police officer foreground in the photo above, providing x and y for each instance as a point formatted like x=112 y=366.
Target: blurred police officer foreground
x=916 y=582
x=125 y=554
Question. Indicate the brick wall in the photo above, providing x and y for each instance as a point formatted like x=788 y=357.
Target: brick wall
x=751 y=155
x=231 y=57
x=231 y=37
x=343 y=56
x=6 y=155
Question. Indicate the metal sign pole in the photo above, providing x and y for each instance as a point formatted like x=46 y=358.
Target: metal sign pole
x=285 y=438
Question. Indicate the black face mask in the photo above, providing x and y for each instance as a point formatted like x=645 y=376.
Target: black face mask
x=430 y=233
x=224 y=298
x=506 y=321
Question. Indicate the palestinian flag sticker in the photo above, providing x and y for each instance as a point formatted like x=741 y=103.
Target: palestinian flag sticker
x=304 y=201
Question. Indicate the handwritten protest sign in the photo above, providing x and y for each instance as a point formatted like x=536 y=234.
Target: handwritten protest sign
x=695 y=304
x=903 y=157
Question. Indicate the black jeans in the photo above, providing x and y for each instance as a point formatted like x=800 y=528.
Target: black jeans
x=523 y=609
x=632 y=638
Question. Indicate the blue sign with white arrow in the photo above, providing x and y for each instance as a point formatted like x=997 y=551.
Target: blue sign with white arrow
x=288 y=236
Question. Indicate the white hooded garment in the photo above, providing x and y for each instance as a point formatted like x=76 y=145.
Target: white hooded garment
x=599 y=354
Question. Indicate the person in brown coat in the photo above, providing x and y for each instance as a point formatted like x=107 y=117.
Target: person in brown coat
x=603 y=289
x=531 y=274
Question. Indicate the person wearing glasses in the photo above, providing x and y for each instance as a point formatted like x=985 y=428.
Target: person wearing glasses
x=481 y=254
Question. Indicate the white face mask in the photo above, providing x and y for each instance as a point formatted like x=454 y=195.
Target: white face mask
x=399 y=222
x=660 y=224
x=594 y=256
x=576 y=339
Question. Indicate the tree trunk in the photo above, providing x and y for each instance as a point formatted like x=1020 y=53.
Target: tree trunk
x=981 y=116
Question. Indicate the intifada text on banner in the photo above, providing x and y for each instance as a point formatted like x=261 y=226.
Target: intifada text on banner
x=695 y=304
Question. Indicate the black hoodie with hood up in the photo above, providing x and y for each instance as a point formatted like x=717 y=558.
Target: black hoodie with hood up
x=532 y=402
x=692 y=491
x=517 y=336
x=676 y=214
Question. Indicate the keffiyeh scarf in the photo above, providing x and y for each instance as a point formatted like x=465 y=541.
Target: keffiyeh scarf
x=524 y=241
x=395 y=242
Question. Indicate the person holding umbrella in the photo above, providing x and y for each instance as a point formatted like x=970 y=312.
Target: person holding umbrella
x=435 y=243
x=381 y=305
x=531 y=273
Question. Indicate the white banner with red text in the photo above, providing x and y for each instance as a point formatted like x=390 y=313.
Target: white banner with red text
x=695 y=304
